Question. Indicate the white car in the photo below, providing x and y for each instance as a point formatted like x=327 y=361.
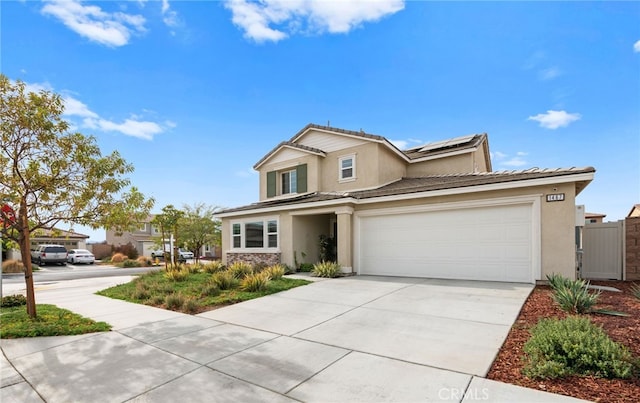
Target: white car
x=80 y=256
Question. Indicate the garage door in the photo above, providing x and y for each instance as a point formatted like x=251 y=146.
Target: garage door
x=483 y=243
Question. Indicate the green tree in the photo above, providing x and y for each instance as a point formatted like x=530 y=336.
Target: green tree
x=51 y=175
x=168 y=222
x=198 y=228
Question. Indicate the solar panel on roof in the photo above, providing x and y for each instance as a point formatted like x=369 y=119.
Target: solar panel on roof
x=446 y=143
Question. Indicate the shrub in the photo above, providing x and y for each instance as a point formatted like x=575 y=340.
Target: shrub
x=128 y=250
x=214 y=267
x=174 y=301
x=572 y=295
x=210 y=290
x=157 y=299
x=240 y=269
x=574 y=346
x=13 y=300
x=306 y=267
x=556 y=281
x=259 y=267
x=141 y=292
x=326 y=269
x=190 y=305
x=118 y=258
x=131 y=263
x=275 y=272
x=635 y=290
x=178 y=274
x=191 y=268
x=144 y=261
x=12 y=266
x=224 y=280
x=255 y=282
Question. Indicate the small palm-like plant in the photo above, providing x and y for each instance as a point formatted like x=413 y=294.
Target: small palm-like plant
x=213 y=267
x=240 y=269
x=176 y=274
x=635 y=290
x=276 y=271
x=224 y=280
x=573 y=296
x=326 y=269
x=255 y=282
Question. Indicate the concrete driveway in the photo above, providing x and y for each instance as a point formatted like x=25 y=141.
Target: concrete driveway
x=350 y=339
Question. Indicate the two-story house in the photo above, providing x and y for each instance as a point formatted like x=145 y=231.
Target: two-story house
x=436 y=210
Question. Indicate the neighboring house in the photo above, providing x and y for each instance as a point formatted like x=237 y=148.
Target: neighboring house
x=635 y=211
x=593 y=218
x=435 y=210
x=68 y=239
x=144 y=240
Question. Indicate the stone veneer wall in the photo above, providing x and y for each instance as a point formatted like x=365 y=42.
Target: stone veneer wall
x=254 y=258
x=632 y=247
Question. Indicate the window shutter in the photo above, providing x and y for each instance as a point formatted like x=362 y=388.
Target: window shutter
x=301 y=173
x=271 y=184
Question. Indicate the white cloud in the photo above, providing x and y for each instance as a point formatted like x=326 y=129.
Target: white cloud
x=169 y=17
x=135 y=126
x=555 y=119
x=74 y=107
x=514 y=162
x=274 y=20
x=503 y=159
x=405 y=144
x=110 y=29
x=636 y=46
x=549 y=73
x=131 y=127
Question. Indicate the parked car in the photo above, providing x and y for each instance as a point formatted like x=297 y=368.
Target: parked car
x=182 y=254
x=80 y=256
x=49 y=254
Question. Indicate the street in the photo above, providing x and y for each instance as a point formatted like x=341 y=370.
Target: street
x=12 y=283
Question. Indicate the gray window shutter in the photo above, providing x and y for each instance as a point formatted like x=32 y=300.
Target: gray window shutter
x=271 y=184
x=301 y=173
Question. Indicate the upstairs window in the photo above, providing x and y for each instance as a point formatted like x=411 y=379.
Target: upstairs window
x=347 y=168
x=289 y=182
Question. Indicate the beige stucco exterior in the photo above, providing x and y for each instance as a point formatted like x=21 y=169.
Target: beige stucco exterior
x=377 y=164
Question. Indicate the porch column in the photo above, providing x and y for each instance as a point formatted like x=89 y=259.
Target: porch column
x=345 y=238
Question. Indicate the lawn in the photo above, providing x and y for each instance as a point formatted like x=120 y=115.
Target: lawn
x=50 y=321
x=195 y=293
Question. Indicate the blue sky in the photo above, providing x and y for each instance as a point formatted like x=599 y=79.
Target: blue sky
x=193 y=93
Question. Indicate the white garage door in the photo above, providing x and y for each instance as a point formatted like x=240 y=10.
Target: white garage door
x=484 y=243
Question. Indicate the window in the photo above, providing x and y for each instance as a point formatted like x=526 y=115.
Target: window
x=272 y=233
x=142 y=227
x=289 y=182
x=237 y=236
x=255 y=234
x=347 y=167
x=293 y=180
x=156 y=230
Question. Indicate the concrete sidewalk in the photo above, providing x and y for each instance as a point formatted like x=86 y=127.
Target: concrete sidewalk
x=352 y=339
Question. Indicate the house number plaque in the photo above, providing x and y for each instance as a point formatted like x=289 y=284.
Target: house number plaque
x=555 y=197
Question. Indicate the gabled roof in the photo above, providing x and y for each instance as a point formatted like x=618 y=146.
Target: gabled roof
x=292 y=145
x=405 y=187
x=636 y=207
x=427 y=151
x=56 y=233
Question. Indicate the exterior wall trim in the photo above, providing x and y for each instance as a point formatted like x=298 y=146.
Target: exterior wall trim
x=420 y=195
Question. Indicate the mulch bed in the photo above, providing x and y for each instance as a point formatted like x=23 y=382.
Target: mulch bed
x=626 y=330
